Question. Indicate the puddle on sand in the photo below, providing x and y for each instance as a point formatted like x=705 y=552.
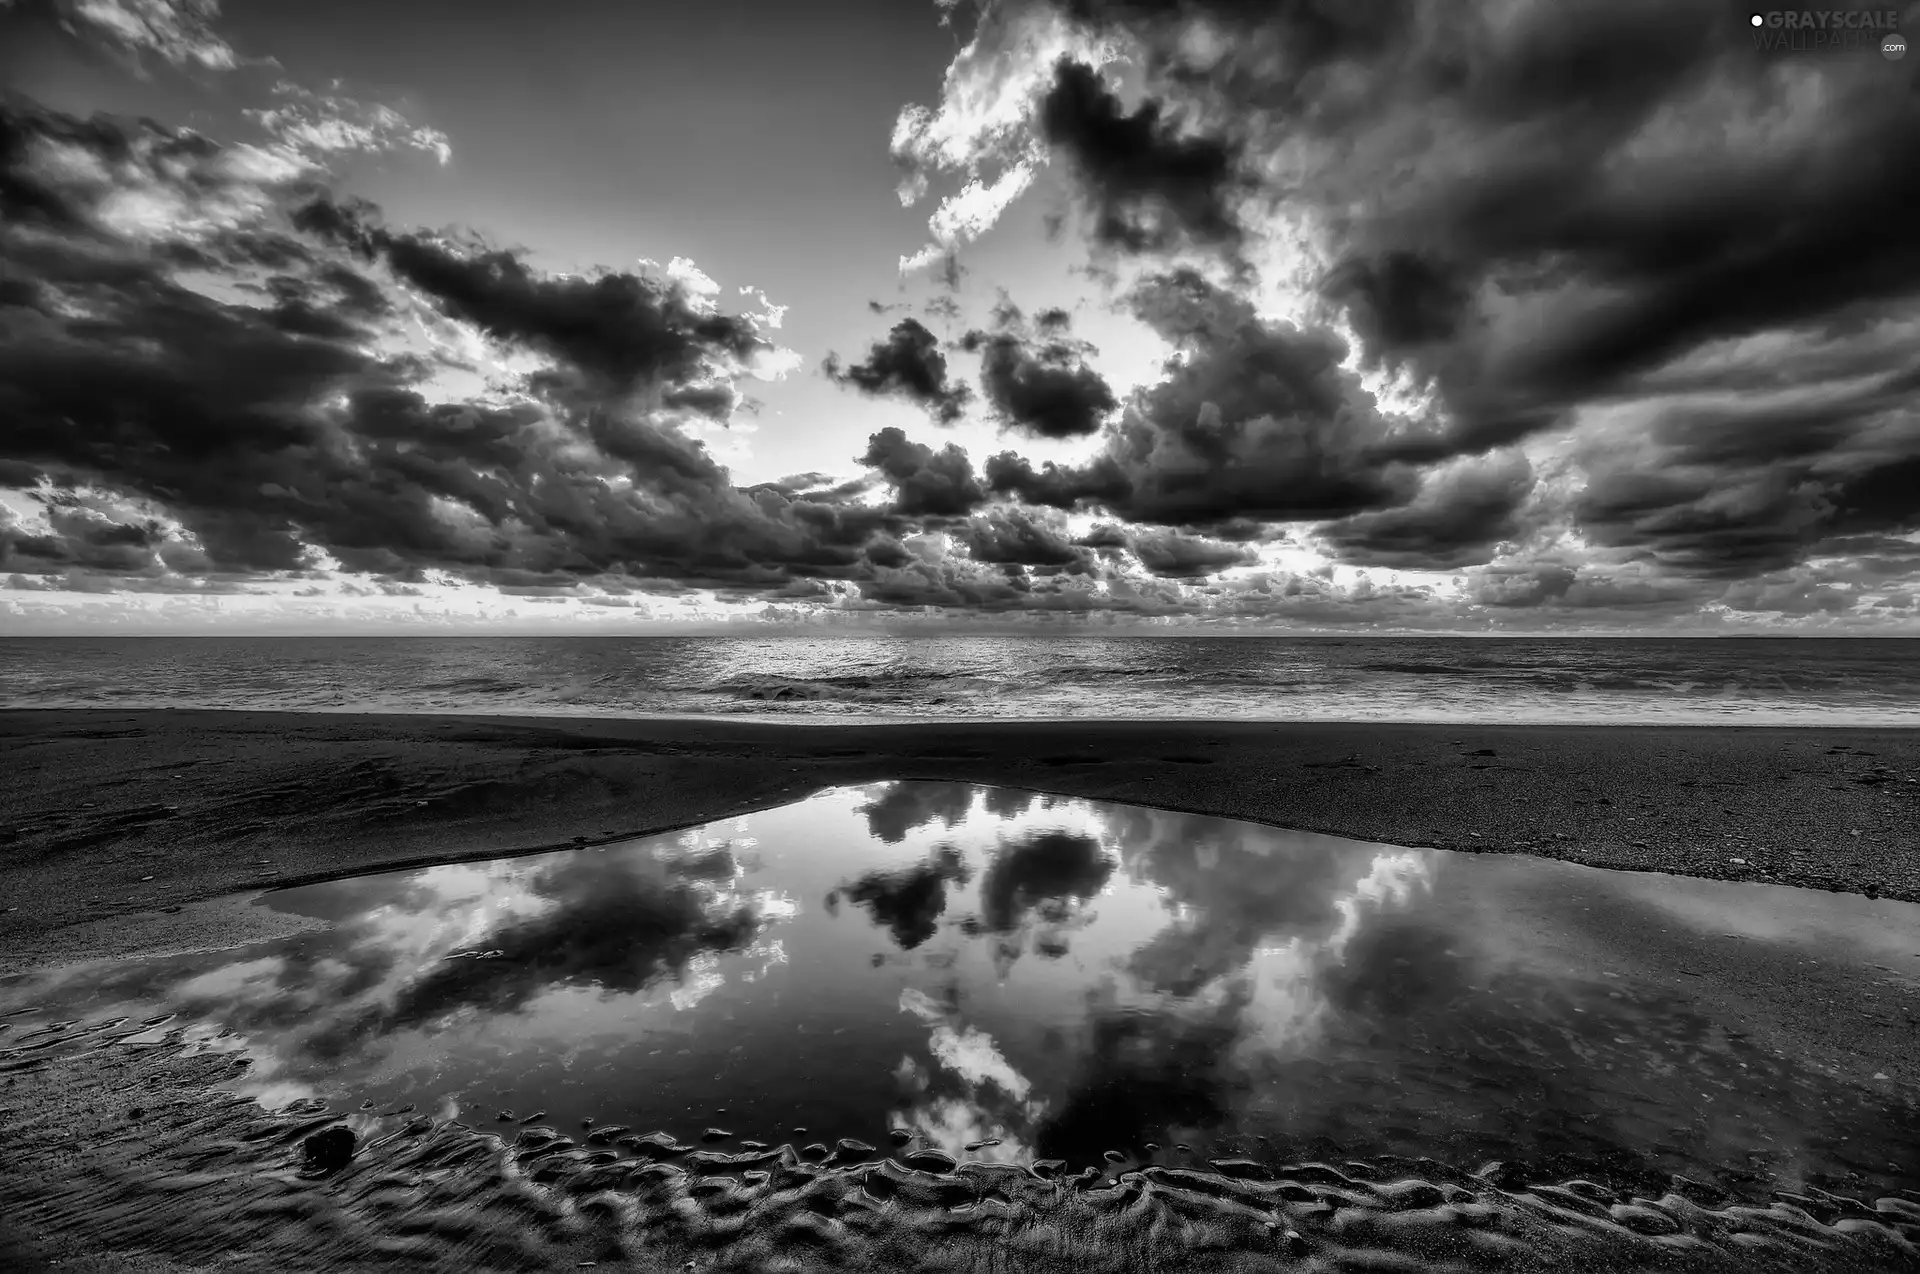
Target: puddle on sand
x=1011 y=977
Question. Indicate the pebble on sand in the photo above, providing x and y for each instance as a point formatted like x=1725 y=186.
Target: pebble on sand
x=328 y=1150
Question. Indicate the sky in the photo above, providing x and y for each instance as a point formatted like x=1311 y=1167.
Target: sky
x=1583 y=316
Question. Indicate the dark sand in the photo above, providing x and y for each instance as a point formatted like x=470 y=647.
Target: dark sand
x=93 y=802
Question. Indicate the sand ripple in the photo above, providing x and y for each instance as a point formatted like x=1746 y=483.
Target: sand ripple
x=118 y=1151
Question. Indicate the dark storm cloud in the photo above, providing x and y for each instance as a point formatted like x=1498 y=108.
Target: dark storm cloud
x=1019 y=537
x=1737 y=484
x=1169 y=554
x=1702 y=522
x=1555 y=584
x=908 y=364
x=1787 y=596
x=961 y=584
x=1040 y=386
x=1259 y=421
x=618 y=331
x=1458 y=518
x=1399 y=303
x=271 y=429
x=926 y=483
x=1541 y=208
x=18 y=474
x=1148 y=185
x=812 y=483
x=1175 y=556
x=82 y=540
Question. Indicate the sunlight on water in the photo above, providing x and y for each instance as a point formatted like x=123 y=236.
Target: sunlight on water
x=1782 y=681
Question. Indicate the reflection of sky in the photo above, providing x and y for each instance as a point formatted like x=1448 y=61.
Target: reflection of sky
x=1054 y=976
x=969 y=1095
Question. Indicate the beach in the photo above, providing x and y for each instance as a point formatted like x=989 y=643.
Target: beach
x=109 y=818
x=130 y=833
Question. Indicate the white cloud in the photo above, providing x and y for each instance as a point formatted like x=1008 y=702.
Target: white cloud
x=310 y=127
x=984 y=121
x=963 y=217
x=179 y=31
x=691 y=277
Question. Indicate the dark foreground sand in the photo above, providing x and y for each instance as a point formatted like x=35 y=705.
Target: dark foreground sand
x=150 y=1173
x=120 y=832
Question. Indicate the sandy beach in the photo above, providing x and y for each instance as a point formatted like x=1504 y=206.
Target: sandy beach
x=128 y=833
x=109 y=818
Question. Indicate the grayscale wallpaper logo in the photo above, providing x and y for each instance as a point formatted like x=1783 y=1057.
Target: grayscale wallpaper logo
x=1824 y=30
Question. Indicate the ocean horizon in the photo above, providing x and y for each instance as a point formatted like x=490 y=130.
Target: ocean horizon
x=1856 y=681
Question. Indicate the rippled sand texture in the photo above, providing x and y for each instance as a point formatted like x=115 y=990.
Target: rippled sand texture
x=136 y=1164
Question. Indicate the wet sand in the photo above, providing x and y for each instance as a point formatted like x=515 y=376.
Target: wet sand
x=148 y=1168
x=138 y=1166
x=107 y=819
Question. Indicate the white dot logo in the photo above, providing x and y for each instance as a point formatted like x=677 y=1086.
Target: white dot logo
x=1757 y=20
x=1894 y=47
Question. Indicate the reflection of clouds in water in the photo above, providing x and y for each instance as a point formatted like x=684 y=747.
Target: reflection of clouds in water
x=1007 y=802
x=1394 y=878
x=1043 y=867
x=1230 y=888
x=1283 y=1004
x=768 y=953
x=701 y=979
x=969 y=1053
x=455 y=905
x=1286 y=994
x=1255 y=923
x=235 y=979
x=412 y=955
x=899 y=808
x=1258 y=925
x=774 y=906
x=996 y=1104
x=1035 y=890
x=617 y=925
x=701 y=976
x=954 y=1123
x=909 y=903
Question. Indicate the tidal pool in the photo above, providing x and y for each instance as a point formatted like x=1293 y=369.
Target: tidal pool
x=1008 y=977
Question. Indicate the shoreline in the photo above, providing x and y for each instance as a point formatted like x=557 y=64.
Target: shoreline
x=211 y=803
x=1760 y=719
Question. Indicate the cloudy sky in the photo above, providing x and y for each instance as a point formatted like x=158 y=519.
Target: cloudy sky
x=1528 y=316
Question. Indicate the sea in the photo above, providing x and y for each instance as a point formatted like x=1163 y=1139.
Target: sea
x=1639 y=680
